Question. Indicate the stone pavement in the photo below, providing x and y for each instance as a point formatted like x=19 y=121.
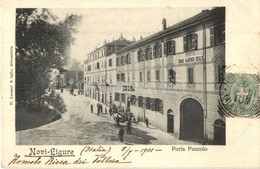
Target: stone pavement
x=78 y=126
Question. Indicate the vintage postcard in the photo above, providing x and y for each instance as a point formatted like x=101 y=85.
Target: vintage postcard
x=130 y=84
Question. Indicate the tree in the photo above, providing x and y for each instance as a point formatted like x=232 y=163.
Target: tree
x=42 y=42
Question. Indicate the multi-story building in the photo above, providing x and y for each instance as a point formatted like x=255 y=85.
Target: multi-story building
x=100 y=71
x=71 y=75
x=173 y=76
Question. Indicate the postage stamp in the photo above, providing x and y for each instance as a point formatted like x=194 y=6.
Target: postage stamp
x=239 y=95
x=129 y=84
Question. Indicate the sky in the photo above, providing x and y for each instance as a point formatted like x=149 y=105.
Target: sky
x=107 y=24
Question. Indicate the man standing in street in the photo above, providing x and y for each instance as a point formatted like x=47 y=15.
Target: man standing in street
x=129 y=126
x=110 y=111
x=91 y=107
x=121 y=134
x=147 y=122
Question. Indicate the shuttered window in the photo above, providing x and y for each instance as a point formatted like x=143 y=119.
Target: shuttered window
x=190 y=42
x=169 y=47
x=158 y=50
x=148 y=76
x=147 y=103
x=190 y=76
x=157 y=75
x=217 y=34
x=140 y=76
x=148 y=53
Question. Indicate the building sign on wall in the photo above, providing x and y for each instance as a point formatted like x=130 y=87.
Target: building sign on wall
x=191 y=59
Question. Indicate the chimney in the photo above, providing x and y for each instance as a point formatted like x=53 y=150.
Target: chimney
x=141 y=37
x=163 y=24
x=133 y=38
x=121 y=36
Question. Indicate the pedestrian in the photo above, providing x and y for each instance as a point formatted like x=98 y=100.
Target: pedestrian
x=98 y=109
x=117 y=120
x=91 y=107
x=147 y=122
x=101 y=108
x=121 y=134
x=110 y=111
x=105 y=110
x=61 y=90
x=129 y=125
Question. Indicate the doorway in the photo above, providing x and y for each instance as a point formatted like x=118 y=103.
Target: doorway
x=191 y=121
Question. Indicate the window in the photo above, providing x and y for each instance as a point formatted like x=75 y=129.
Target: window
x=110 y=62
x=140 y=101
x=148 y=76
x=171 y=76
x=97 y=65
x=122 y=58
x=157 y=50
x=133 y=100
x=140 y=76
x=128 y=59
x=118 y=77
x=89 y=68
x=117 y=96
x=148 y=53
x=169 y=47
x=190 y=76
x=220 y=73
x=140 y=55
x=190 y=42
x=123 y=77
x=217 y=34
x=152 y=104
x=157 y=75
x=123 y=97
x=147 y=103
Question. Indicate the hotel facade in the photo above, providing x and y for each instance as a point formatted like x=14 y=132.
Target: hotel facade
x=171 y=77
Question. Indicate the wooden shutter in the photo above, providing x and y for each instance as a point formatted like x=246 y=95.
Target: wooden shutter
x=160 y=50
x=211 y=30
x=194 y=41
x=165 y=49
x=129 y=59
x=161 y=106
x=154 y=51
x=173 y=47
x=138 y=56
x=185 y=43
x=152 y=104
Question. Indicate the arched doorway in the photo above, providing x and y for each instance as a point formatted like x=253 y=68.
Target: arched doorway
x=191 y=120
x=170 y=121
x=219 y=132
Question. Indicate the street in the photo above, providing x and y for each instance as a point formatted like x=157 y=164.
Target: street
x=78 y=126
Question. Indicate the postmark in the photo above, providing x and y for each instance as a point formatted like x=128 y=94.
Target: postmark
x=239 y=95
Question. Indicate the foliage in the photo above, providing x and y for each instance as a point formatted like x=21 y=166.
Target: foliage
x=57 y=102
x=42 y=42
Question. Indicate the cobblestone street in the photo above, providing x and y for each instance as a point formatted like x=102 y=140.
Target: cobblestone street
x=78 y=126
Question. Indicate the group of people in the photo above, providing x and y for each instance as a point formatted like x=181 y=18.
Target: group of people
x=121 y=130
x=100 y=109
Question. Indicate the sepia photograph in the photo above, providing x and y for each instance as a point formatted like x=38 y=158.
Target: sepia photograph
x=130 y=84
x=124 y=76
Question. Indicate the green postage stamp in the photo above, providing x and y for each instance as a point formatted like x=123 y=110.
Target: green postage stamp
x=239 y=95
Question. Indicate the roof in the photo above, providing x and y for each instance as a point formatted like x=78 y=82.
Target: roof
x=215 y=12
x=119 y=42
